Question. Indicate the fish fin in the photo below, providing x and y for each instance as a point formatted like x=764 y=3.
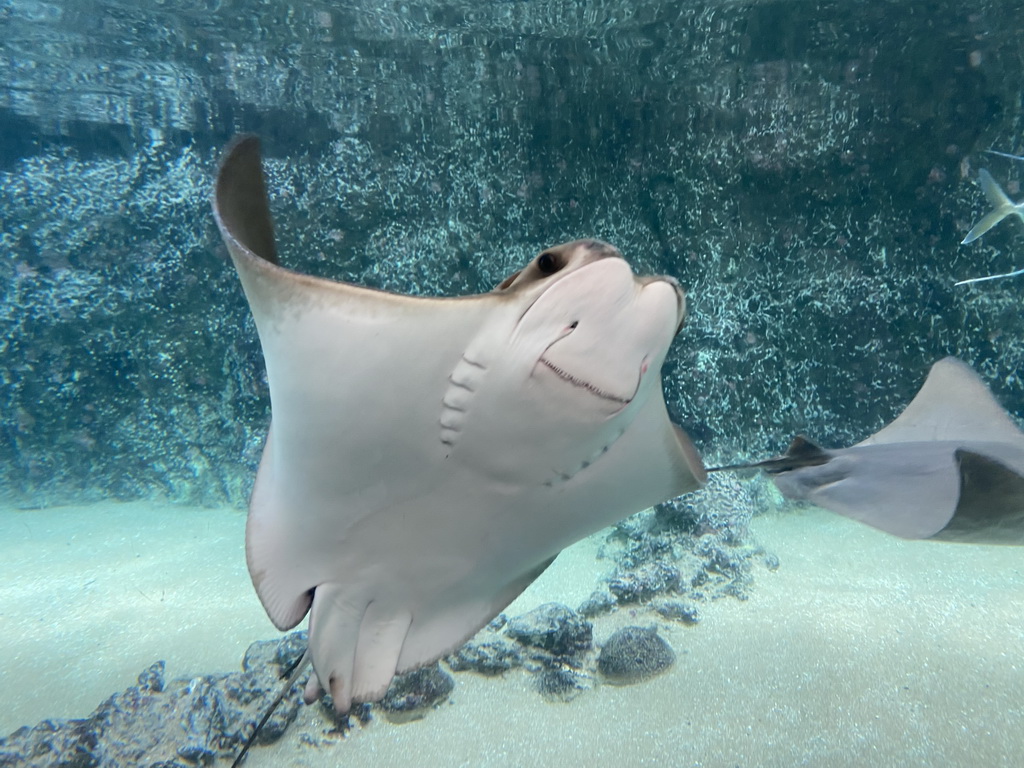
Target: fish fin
x=1003 y=206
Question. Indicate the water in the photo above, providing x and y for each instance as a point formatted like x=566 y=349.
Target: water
x=806 y=170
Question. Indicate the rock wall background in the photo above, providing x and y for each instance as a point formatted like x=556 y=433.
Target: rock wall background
x=806 y=170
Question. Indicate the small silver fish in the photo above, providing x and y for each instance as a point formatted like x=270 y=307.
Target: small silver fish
x=1003 y=207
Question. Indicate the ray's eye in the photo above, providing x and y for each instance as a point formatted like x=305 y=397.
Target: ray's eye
x=548 y=263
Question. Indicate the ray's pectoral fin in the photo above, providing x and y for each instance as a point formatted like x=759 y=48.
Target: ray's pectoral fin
x=991 y=508
x=950 y=467
x=240 y=202
x=454 y=619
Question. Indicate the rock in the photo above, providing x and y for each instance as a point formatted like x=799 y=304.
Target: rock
x=643 y=583
x=724 y=506
x=289 y=650
x=52 y=744
x=152 y=678
x=635 y=526
x=413 y=694
x=554 y=628
x=600 y=601
x=678 y=610
x=497 y=623
x=695 y=547
x=362 y=713
x=633 y=654
x=259 y=655
x=203 y=713
x=720 y=558
x=251 y=690
x=285 y=652
x=560 y=682
x=186 y=722
x=490 y=656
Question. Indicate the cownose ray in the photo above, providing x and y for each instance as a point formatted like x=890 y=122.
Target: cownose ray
x=950 y=467
x=428 y=457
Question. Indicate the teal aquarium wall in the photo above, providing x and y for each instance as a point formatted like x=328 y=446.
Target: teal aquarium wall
x=807 y=170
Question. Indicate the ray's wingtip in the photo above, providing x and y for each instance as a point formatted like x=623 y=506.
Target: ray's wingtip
x=240 y=201
x=243 y=147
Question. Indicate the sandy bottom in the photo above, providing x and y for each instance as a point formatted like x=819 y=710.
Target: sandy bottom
x=859 y=650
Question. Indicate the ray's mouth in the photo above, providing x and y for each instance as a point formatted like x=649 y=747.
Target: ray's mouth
x=591 y=388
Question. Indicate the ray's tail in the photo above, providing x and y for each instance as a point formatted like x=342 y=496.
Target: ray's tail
x=293 y=675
